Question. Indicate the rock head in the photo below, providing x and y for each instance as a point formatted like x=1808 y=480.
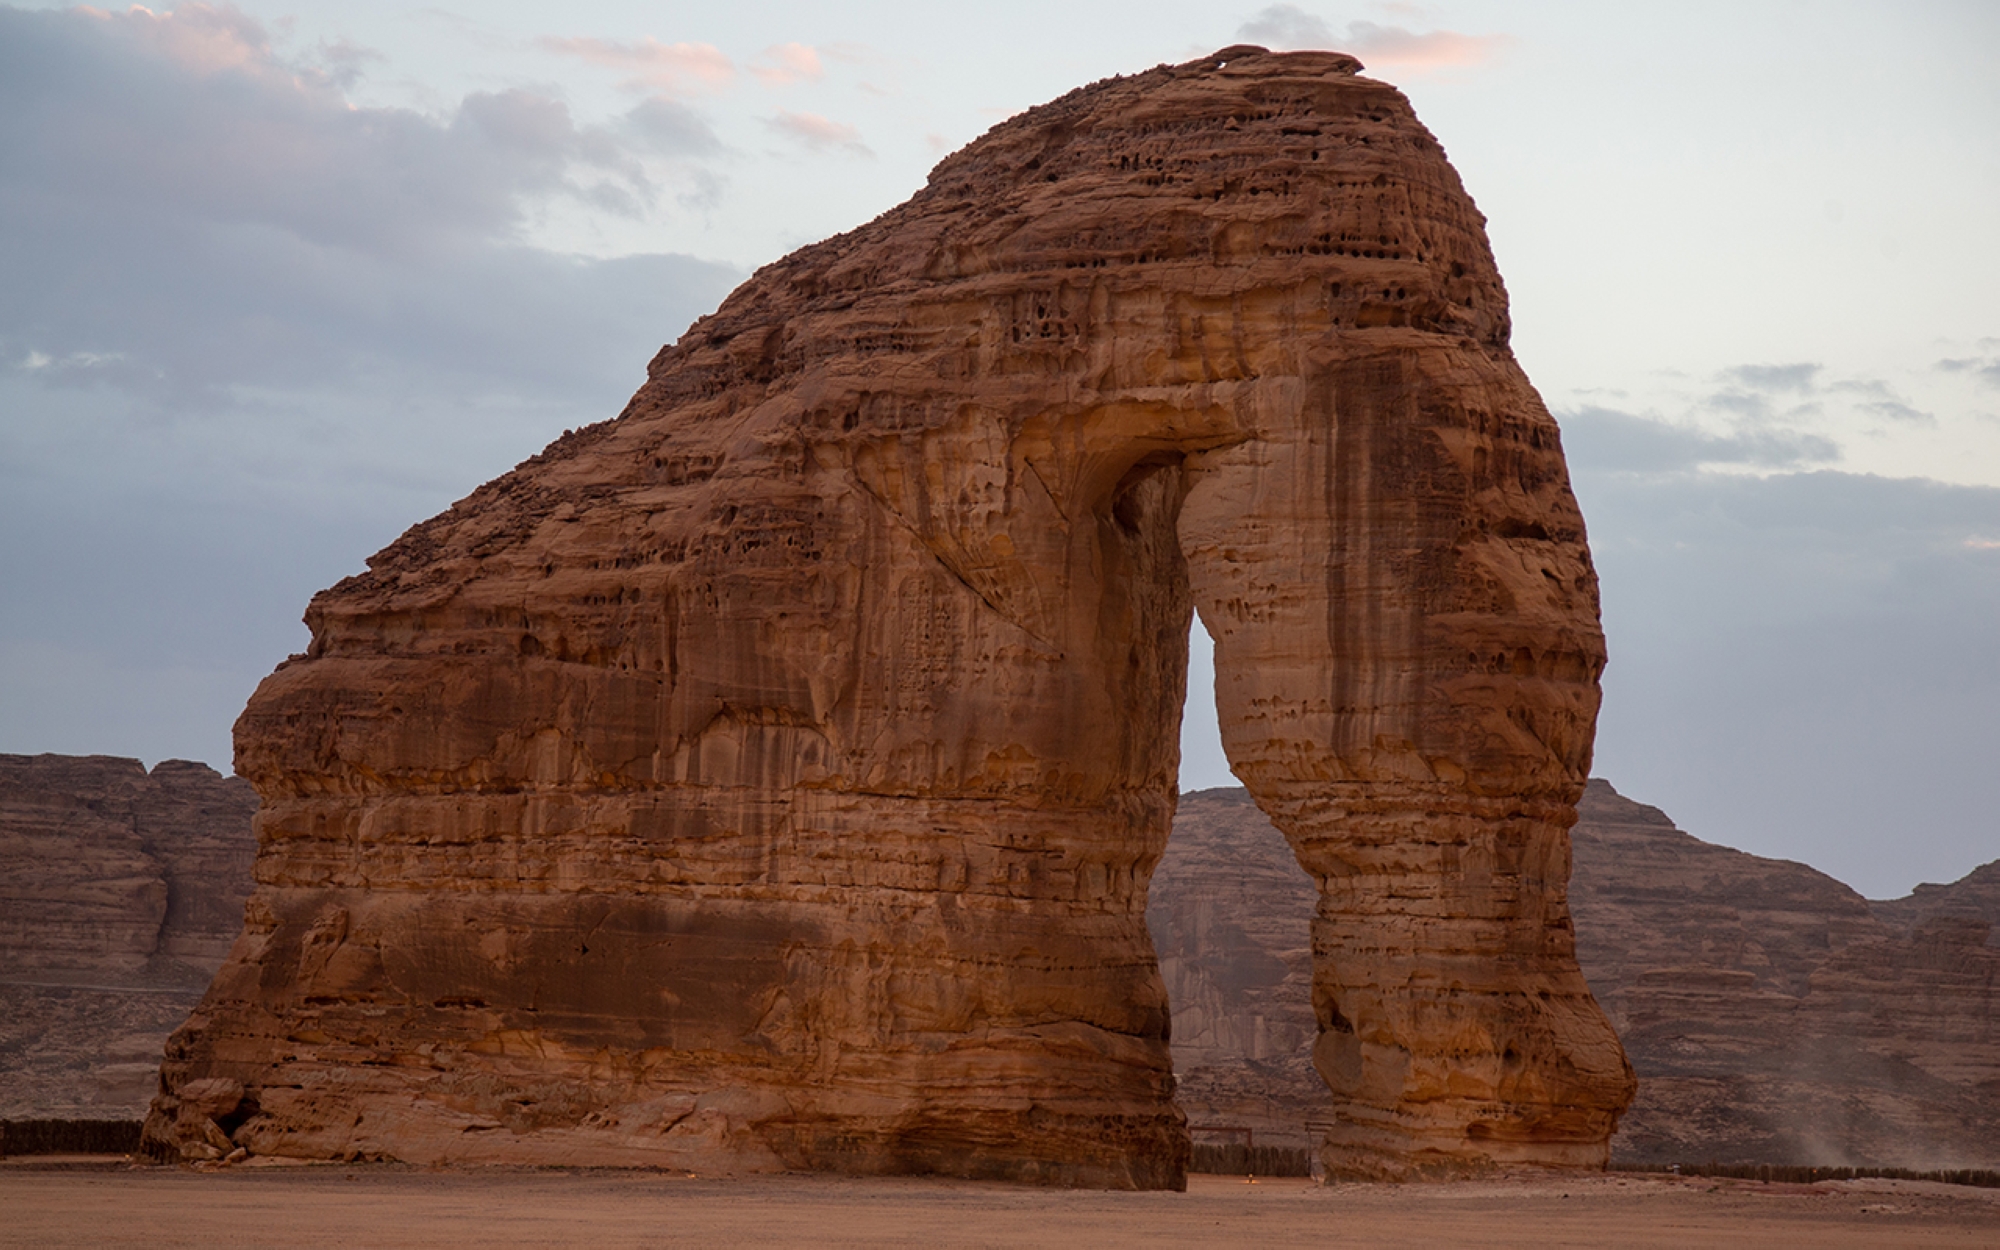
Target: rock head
x=771 y=776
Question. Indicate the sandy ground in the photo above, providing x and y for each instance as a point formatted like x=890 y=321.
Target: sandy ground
x=66 y=1203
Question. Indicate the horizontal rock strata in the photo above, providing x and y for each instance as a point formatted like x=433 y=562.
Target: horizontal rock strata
x=1773 y=1015
x=120 y=893
x=772 y=776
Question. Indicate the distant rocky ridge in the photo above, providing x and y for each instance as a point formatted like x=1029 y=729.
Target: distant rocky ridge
x=120 y=893
x=1773 y=1014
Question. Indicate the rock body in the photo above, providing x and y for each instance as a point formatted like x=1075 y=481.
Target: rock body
x=1773 y=1015
x=120 y=893
x=772 y=776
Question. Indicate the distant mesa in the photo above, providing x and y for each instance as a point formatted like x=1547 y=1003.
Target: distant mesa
x=120 y=893
x=771 y=777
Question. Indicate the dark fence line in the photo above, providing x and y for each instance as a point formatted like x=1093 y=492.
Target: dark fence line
x=1806 y=1176
x=1236 y=1159
x=69 y=1137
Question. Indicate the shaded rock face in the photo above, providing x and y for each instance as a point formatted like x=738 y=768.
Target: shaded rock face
x=120 y=893
x=1231 y=916
x=1773 y=1015
x=772 y=776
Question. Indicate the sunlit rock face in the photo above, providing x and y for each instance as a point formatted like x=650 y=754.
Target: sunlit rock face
x=771 y=776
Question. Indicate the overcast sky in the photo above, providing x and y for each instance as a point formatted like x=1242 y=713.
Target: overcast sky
x=279 y=280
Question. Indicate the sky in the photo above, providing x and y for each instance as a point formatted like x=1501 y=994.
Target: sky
x=278 y=280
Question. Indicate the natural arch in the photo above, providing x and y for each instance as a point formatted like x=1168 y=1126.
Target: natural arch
x=771 y=776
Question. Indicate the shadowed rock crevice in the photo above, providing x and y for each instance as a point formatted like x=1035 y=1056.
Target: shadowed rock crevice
x=772 y=776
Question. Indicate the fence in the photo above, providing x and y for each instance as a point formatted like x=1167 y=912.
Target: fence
x=66 y=1137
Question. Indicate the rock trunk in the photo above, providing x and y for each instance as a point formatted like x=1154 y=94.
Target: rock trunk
x=772 y=776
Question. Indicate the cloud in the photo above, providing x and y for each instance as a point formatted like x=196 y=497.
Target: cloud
x=1774 y=378
x=1984 y=369
x=1286 y=26
x=1608 y=441
x=787 y=63
x=669 y=128
x=184 y=214
x=1780 y=644
x=651 y=65
x=249 y=331
x=1879 y=399
x=818 y=133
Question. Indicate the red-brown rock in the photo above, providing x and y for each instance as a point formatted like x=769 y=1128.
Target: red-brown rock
x=120 y=892
x=1774 y=1015
x=772 y=776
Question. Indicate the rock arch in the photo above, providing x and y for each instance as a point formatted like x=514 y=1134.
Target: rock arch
x=771 y=776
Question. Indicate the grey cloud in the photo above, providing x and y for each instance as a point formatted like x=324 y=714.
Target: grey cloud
x=1287 y=26
x=670 y=128
x=103 y=116
x=344 y=63
x=182 y=233
x=1793 y=377
x=1985 y=369
x=1896 y=410
x=248 y=334
x=1782 y=645
x=1881 y=400
x=1608 y=441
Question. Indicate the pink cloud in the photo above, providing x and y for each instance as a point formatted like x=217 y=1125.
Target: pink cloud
x=787 y=63
x=1287 y=26
x=1436 y=49
x=670 y=68
x=817 y=132
x=197 y=37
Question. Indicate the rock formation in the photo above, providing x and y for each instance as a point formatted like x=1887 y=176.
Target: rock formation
x=120 y=892
x=1231 y=911
x=1773 y=1015
x=771 y=776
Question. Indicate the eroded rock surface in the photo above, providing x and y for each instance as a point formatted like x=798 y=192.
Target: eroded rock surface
x=120 y=892
x=1231 y=911
x=772 y=776
x=1773 y=1014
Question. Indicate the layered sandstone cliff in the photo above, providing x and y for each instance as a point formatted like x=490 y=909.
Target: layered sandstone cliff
x=1773 y=1015
x=120 y=892
x=772 y=776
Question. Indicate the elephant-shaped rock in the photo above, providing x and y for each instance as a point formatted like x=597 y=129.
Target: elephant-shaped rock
x=770 y=777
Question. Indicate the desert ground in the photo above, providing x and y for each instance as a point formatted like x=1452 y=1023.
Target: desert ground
x=106 y=1203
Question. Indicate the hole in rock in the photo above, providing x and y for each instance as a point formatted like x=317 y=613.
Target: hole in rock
x=1230 y=912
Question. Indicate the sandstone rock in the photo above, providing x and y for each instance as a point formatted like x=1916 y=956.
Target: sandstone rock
x=1771 y=1013
x=1230 y=911
x=120 y=892
x=800 y=743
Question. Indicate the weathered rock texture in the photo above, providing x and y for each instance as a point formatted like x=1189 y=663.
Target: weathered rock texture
x=1773 y=1015
x=1231 y=911
x=772 y=775
x=120 y=892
